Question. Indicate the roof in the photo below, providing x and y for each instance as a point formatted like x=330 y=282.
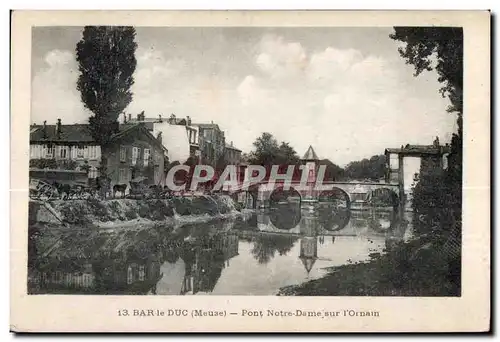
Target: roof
x=205 y=125
x=232 y=147
x=125 y=129
x=80 y=133
x=308 y=263
x=69 y=133
x=310 y=154
x=418 y=149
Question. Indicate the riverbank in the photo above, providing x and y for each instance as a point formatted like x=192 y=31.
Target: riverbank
x=407 y=269
x=130 y=213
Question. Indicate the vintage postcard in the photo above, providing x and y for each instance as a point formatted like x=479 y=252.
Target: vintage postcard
x=262 y=171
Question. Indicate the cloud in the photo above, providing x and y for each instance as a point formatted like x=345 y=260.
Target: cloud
x=348 y=104
x=54 y=93
x=280 y=59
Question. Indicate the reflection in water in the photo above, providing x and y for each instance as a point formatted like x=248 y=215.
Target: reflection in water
x=285 y=216
x=265 y=246
x=284 y=246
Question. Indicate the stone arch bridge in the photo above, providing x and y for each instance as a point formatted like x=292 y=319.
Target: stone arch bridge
x=352 y=192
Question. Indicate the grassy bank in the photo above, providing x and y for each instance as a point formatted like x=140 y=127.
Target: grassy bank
x=124 y=212
x=415 y=268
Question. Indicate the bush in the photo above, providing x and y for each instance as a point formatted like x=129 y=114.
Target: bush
x=74 y=214
x=182 y=205
x=130 y=214
x=159 y=210
x=143 y=209
x=98 y=208
x=238 y=206
x=203 y=205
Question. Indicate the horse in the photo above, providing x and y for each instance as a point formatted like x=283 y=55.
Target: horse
x=64 y=190
x=119 y=188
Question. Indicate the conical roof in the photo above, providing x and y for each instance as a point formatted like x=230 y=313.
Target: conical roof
x=308 y=263
x=310 y=154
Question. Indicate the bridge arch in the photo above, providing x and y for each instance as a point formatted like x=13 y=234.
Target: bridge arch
x=384 y=197
x=279 y=194
x=335 y=195
x=285 y=218
x=332 y=220
x=382 y=222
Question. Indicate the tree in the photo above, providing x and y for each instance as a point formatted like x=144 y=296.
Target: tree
x=268 y=152
x=372 y=169
x=436 y=48
x=440 y=49
x=106 y=57
x=333 y=171
x=437 y=197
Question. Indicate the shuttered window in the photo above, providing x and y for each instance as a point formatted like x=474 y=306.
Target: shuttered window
x=135 y=153
x=123 y=153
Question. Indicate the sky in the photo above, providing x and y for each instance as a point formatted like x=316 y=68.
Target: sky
x=345 y=91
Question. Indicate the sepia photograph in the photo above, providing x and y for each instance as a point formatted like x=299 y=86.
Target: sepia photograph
x=242 y=160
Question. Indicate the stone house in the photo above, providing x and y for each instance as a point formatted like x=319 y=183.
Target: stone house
x=132 y=152
x=67 y=147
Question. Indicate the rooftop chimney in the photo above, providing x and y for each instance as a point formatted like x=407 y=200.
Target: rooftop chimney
x=45 y=129
x=130 y=117
x=124 y=118
x=58 y=129
x=188 y=120
x=231 y=144
x=159 y=118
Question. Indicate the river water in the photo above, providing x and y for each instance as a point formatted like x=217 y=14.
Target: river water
x=256 y=255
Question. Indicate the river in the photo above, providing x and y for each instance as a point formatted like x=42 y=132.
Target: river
x=257 y=255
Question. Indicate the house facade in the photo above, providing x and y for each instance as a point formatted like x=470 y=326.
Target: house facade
x=133 y=151
x=165 y=129
x=232 y=154
x=212 y=142
x=68 y=147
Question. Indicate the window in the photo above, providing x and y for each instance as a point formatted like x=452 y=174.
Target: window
x=35 y=151
x=123 y=153
x=156 y=175
x=93 y=172
x=80 y=152
x=146 y=156
x=93 y=152
x=63 y=152
x=122 y=176
x=156 y=157
x=49 y=151
x=394 y=161
x=130 y=275
x=142 y=272
x=135 y=153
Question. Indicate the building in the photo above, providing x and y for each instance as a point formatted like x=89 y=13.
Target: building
x=178 y=135
x=68 y=147
x=309 y=242
x=212 y=142
x=133 y=151
x=204 y=263
x=311 y=162
x=232 y=155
